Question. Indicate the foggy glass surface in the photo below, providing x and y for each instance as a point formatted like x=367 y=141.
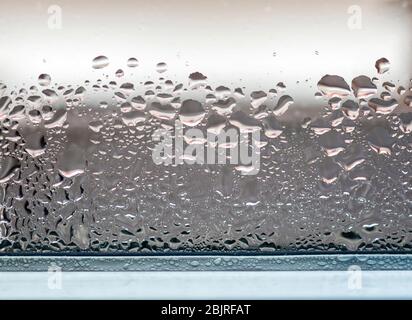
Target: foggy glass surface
x=325 y=84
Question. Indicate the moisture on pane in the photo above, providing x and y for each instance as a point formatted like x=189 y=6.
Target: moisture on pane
x=136 y=158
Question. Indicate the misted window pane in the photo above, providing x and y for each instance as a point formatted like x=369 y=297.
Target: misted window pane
x=205 y=126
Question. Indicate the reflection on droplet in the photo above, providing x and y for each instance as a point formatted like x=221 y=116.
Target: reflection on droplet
x=224 y=107
x=8 y=165
x=44 y=80
x=191 y=113
x=132 y=118
x=382 y=65
x=406 y=122
x=197 y=79
x=89 y=166
x=363 y=87
x=162 y=112
x=132 y=63
x=332 y=142
x=71 y=161
x=273 y=129
x=257 y=98
x=244 y=122
x=408 y=101
x=161 y=67
x=383 y=106
x=329 y=171
x=350 y=109
x=381 y=140
x=283 y=105
x=333 y=86
x=100 y=62
x=215 y=123
x=36 y=144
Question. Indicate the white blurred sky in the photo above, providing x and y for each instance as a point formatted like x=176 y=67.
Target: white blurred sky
x=232 y=42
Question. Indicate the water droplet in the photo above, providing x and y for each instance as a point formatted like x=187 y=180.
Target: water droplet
x=191 y=113
x=100 y=62
x=44 y=80
x=332 y=142
x=283 y=105
x=132 y=118
x=244 y=122
x=382 y=106
x=273 y=128
x=162 y=112
x=72 y=161
x=8 y=166
x=334 y=86
x=381 y=140
x=197 y=80
x=406 y=122
x=161 y=67
x=350 y=109
x=257 y=98
x=132 y=63
x=363 y=87
x=329 y=171
x=215 y=123
x=382 y=65
x=224 y=107
x=35 y=143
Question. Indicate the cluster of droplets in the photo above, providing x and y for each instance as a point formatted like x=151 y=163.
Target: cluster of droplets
x=350 y=111
x=76 y=171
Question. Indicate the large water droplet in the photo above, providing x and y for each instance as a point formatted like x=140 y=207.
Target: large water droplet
x=273 y=128
x=329 y=171
x=283 y=105
x=382 y=106
x=244 y=122
x=191 y=113
x=332 y=142
x=381 y=140
x=363 y=87
x=406 y=122
x=350 y=109
x=162 y=112
x=8 y=165
x=224 y=107
x=257 y=98
x=72 y=161
x=132 y=118
x=197 y=79
x=333 y=86
x=215 y=123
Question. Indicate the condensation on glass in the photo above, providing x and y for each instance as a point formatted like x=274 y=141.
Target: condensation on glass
x=319 y=90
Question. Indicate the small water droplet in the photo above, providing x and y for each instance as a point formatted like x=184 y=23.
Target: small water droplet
x=44 y=80
x=100 y=62
x=161 y=67
x=132 y=63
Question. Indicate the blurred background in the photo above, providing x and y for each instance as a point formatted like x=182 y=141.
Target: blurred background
x=254 y=44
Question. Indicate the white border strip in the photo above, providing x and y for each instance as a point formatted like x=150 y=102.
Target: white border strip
x=208 y=285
